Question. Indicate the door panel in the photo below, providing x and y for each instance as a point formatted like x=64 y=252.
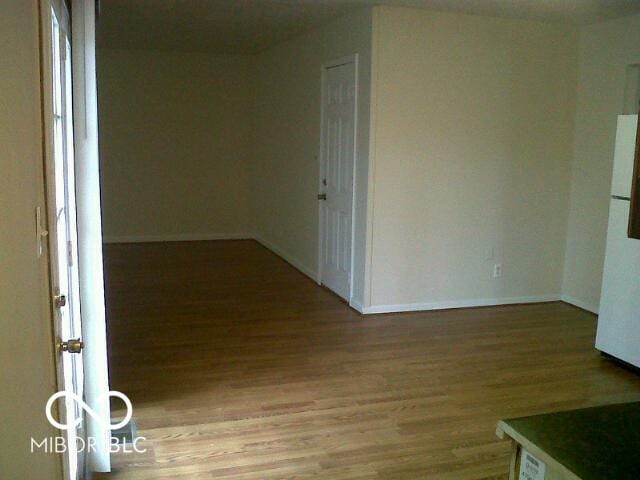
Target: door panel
x=85 y=106
x=62 y=228
x=338 y=159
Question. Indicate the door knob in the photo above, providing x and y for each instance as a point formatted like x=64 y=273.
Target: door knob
x=74 y=345
x=322 y=196
x=60 y=300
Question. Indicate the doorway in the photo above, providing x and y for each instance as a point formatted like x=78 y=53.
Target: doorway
x=337 y=175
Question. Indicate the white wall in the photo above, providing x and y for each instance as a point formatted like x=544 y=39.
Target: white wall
x=175 y=144
x=605 y=50
x=472 y=140
x=26 y=348
x=286 y=139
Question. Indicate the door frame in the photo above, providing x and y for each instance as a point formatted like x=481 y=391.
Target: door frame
x=353 y=58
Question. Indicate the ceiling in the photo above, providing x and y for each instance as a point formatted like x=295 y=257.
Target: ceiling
x=249 y=26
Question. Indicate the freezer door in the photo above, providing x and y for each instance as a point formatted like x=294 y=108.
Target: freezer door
x=619 y=321
x=624 y=155
x=634 y=221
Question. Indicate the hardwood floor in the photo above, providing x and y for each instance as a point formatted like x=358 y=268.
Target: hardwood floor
x=239 y=367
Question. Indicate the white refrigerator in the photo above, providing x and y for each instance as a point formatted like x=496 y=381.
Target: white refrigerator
x=619 y=321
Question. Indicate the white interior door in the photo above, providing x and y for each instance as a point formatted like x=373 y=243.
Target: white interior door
x=85 y=105
x=337 y=176
x=62 y=221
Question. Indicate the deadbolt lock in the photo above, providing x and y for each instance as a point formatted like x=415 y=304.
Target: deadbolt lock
x=60 y=300
x=74 y=345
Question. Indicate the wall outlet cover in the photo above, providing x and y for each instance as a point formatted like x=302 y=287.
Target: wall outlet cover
x=497 y=270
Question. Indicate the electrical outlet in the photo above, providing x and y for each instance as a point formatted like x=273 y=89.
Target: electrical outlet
x=497 y=270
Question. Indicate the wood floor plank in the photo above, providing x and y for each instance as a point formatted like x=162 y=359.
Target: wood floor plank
x=240 y=367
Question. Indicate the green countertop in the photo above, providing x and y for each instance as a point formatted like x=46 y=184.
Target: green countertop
x=593 y=443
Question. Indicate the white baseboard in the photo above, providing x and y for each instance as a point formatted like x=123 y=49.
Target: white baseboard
x=580 y=303
x=180 y=237
x=290 y=259
x=476 y=302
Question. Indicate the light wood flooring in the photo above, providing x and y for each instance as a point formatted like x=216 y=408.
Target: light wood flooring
x=240 y=367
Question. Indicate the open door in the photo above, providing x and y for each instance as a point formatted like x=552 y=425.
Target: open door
x=70 y=125
x=62 y=225
x=85 y=115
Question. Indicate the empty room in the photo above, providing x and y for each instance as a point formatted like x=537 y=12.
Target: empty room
x=278 y=239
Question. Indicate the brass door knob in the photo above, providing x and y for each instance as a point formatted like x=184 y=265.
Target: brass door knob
x=60 y=300
x=74 y=345
x=322 y=196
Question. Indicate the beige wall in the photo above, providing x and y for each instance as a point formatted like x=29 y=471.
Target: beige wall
x=605 y=51
x=27 y=374
x=472 y=139
x=175 y=142
x=473 y=121
x=286 y=123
